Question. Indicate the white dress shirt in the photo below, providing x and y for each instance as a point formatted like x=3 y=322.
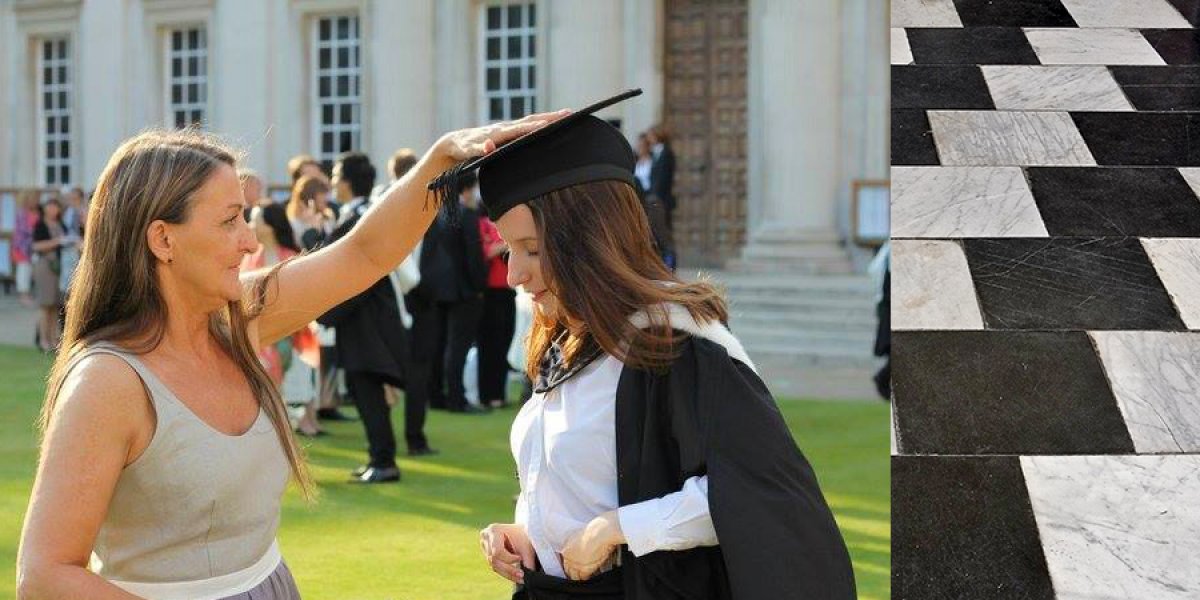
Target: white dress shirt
x=564 y=442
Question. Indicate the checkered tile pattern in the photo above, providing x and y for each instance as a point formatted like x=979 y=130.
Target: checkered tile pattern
x=1046 y=298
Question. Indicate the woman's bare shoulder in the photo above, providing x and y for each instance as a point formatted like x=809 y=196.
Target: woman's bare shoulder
x=104 y=389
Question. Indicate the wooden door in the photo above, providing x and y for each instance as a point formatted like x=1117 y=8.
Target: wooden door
x=705 y=112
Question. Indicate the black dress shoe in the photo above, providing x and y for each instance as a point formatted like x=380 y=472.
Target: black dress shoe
x=377 y=475
x=426 y=451
x=333 y=414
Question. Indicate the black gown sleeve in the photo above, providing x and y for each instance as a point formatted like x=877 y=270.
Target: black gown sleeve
x=777 y=535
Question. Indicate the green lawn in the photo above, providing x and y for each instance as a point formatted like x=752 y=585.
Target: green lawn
x=419 y=540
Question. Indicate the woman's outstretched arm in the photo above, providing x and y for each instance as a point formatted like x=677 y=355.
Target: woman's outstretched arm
x=386 y=234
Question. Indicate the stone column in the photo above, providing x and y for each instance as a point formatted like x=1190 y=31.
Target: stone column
x=794 y=136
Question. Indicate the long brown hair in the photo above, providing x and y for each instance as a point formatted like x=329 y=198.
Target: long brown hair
x=115 y=295
x=306 y=188
x=598 y=260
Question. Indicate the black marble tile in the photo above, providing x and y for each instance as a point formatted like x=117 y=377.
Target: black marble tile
x=1003 y=392
x=940 y=87
x=912 y=138
x=1068 y=283
x=971 y=46
x=1156 y=75
x=1175 y=46
x=963 y=528
x=1190 y=9
x=1013 y=13
x=1141 y=139
x=1118 y=201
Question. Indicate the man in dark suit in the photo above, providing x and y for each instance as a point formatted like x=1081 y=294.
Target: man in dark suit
x=372 y=344
x=662 y=172
x=446 y=306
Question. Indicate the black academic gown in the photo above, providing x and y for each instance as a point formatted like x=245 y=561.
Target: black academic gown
x=712 y=415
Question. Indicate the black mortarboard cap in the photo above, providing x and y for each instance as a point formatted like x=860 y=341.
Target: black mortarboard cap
x=575 y=149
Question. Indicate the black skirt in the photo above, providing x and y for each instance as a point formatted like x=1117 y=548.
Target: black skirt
x=540 y=586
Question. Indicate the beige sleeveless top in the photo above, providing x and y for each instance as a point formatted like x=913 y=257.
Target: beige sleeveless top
x=197 y=503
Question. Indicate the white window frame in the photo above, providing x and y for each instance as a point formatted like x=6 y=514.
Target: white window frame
x=528 y=65
x=200 y=79
x=44 y=137
x=353 y=99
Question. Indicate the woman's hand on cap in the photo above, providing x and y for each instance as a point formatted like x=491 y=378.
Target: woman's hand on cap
x=469 y=143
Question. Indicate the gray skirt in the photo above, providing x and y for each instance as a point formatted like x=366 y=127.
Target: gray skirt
x=278 y=586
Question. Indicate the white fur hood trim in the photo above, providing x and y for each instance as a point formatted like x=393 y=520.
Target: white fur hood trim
x=679 y=318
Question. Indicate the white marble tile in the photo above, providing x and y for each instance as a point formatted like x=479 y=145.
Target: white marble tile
x=962 y=202
x=1092 y=47
x=901 y=51
x=1192 y=176
x=1177 y=261
x=1155 y=376
x=1054 y=88
x=931 y=287
x=1117 y=527
x=1008 y=138
x=1140 y=14
x=924 y=13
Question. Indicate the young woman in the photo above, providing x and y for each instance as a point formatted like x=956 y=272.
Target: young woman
x=166 y=447
x=652 y=459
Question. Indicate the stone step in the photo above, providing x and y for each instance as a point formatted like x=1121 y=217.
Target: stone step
x=759 y=334
x=810 y=356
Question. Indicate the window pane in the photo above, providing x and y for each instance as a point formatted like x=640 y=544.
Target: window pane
x=343 y=57
x=193 y=38
x=514 y=78
x=323 y=26
x=50 y=175
x=530 y=79
x=66 y=174
x=343 y=85
x=514 y=16
x=62 y=100
x=531 y=13
x=65 y=121
x=51 y=125
x=532 y=46
x=493 y=17
x=323 y=60
x=343 y=28
x=326 y=142
x=47 y=76
x=357 y=60
x=324 y=86
x=64 y=149
x=516 y=108
x=176 y=67
x=495 y=109
x=48 y=100
x=493 y=48
x=51 y=150
x=347 y=115
x=327 y=114
x=180 y=119
x=193 y=92
x=193 y=66
x=345 y=142
x=47 y=50
x=62 y=48
x=514 y=47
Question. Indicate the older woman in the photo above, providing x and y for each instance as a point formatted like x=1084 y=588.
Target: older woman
x=157 y=389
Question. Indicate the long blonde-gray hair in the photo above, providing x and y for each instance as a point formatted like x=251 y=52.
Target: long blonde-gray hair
x=115 y=294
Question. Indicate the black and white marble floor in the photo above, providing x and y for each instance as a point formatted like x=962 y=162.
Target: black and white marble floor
x=1046 y=299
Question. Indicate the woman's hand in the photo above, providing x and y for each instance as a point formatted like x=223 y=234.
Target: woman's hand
x=592 y=548
x=463 y=144
x=507 y=548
